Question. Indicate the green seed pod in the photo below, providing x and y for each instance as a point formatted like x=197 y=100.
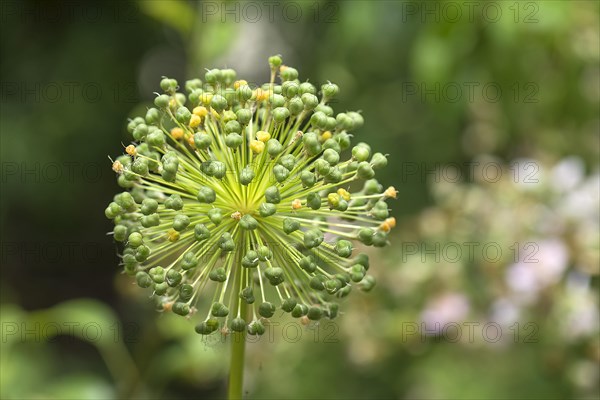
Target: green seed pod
x=207 y=327
x=213 y=76
x=307 y=87
x=233 y=140
x=367 y=283
x=142 y=253
x=363 y=260
x=168 y=85
x=156 y=139
x=365 y=235
x=247 y=294
x=206 y=195
x=274 y=275
x=281 y=173
x=289 y=74
x=186 y=292
x=276 y=101
x=143 y=280
x=288 y=161
x=307 y=263
x=250 y=259
x=173 y=278
x=140 y=132
x=308 y=179
x=280 y=114
x=228 y=75
x=317 y=282
x=330 y=90
x=325 y=109
x=343 y=248
x=125 y=200
x=233 y=126
x=272 y=195
x=372 y=187
x=151 y=220
x=333 y=145
x=149 y=206
x=183 y=115
x=120 y=233
x=218 y=275
x=318 y=119
x=174 y=202
x=274 y=147
x=216 y=169
x=193 y=84
x=248 y=222
x=380 y=210
x=380 y=239
x=180 y=222
x=332 y=310
x=135 y=240
x=244 y=116
x=161 y=288
x=256 y=328
x=365 y=171
x=343 y=139
x=333 y=285
x=361 y=152
x=219 y=310
x=313 y=200
x=267 y=209
x=357 y=272
x=311 y=143
x=264 y=253
x=290 y=225
x=309 y=100
x=238 y=325
x=218 y=103
x=227 y=117
x=226 y=243
x=201 y=232
x=266 y=309
x=300 y=310
x=153 y=116
x=181 y=309
x=313 y=238
x=357 y=119
x=157 y=273
x=202 y=140
x=295 y=106
x=288 y=304
x=243 y=94
x=246 y=175
x=275 y=61
x=322 y=167
x=344 y=122
x=162 y=101
x=189 y=261
x=314 y=313
x=289 y=89
x=378 y=161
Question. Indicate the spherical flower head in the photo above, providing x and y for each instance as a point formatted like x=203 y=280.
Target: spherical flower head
x=240 y=200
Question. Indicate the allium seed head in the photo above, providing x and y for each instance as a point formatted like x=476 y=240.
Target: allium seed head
x=239 y=201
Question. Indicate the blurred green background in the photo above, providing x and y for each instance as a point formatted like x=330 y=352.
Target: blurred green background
x=490 y=114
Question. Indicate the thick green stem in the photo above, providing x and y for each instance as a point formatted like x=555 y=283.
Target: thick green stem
x=236 y=369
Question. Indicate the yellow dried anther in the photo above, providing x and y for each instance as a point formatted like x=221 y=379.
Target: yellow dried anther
x=117 y=167
x=130 y=150
x=200 y=111
x=167 y=306
x=326 y=135
x=172 y=235
x=205 y=98
x=236 y=215
x=215 y=113
x=296 y=204
x=190 y=140
x=388 y=224
x=263 y=136
x=283 y=68
x=390 y=192
x=195 y=121
x=304 y=320
x=260 y=95
x=173 y=102
x=238 y=83
x=257 y=146
x=177 y=133
x=344 y=194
